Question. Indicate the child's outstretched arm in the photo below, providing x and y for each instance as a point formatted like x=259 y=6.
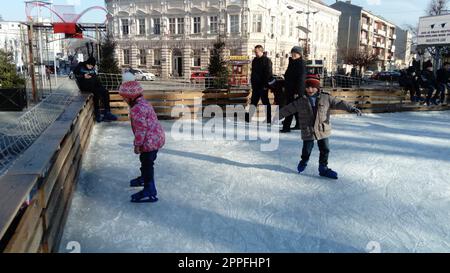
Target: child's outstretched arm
x=140 y=125
x=289 y=109
x=339 y=104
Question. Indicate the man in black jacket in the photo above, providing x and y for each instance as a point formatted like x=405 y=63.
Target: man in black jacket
x=442 y=78
x=429 y=82
x=260 y=77
x=87 y=80
x=294 y=84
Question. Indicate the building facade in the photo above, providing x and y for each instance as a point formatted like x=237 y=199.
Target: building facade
x=12 y=37
x=403 y=45
x=175 y=37
x=361 y=30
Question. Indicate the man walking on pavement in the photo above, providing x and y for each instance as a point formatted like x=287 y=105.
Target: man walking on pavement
x=260 y=77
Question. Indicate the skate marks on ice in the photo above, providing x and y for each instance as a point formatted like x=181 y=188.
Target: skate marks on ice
x=229 y=196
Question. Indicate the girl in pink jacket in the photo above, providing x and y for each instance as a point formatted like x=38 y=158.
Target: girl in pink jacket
x=149 y=137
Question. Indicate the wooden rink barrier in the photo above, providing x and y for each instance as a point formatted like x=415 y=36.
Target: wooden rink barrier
x=37 y=189
x=368 y=100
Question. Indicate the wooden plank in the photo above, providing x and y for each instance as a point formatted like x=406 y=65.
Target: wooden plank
x=36 y=240
x=26 y=228
x=14 y=190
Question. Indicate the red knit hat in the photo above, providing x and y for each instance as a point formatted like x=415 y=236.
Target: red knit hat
x=312 y=81
x=131 y=90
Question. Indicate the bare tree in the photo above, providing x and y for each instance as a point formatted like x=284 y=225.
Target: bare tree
x=437 y=7
x=359 y=58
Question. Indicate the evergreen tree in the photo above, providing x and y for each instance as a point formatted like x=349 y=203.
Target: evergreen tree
x=108 y=63
x=8 y=72
x=217 y=65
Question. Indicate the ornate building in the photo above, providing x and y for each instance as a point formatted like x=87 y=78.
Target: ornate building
x=175 y=37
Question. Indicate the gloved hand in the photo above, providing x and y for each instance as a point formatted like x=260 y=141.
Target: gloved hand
x=357 y=111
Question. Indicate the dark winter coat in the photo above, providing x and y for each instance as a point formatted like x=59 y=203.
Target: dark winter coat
x=84 y=84
x=261 y=72
x=428 y=79
x=315 y=125
x=442 y=76
x=295 y=76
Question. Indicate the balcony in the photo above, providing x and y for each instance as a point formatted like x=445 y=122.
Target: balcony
x=381 y=32
x=393 y=48
x=364 y=41
x=365 y=27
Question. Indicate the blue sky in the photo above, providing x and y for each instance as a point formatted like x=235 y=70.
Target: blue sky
x=400 y=12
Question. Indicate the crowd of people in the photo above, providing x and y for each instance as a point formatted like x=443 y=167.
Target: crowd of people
x=425 y=86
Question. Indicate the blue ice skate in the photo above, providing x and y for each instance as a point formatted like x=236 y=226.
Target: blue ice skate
x=301 y=166
x=147 y=195
x=327 y=172
x=137 y=182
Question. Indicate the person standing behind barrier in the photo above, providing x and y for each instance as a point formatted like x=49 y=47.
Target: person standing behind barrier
x=429 y=82
x=442 y=78
x=412 y=85
x=87 y=80
x=294 y=85
x=260 y=77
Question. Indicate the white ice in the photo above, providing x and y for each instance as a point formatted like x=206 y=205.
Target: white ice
x=393 y=194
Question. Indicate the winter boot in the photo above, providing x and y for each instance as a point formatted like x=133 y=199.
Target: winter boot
x=137 y=182
x=109 y=117
x=327 y=172
x=301 y=166
x=147 y=195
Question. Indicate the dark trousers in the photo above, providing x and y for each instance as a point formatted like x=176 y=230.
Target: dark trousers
x=290 y=97
x=430 y=91
x=263 y=95
x=440 y=94
x=101 y=94
x=324 y=148
x=147 y=162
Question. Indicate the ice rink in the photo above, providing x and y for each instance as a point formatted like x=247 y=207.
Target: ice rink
x=393 y=192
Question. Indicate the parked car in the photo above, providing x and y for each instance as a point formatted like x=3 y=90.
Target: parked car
x=199 y=76
x=142 y=75
x=368 y=74
x=387 y=76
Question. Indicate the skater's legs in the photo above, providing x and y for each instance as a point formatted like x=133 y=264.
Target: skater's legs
x=324 y=148
x=265 y=100
x=147 y=169
x=308 y=145
x=256 y=96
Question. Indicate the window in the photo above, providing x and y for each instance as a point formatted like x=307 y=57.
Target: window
x=234 y=23
x=141 y=26
x=125 y=27
x=157 y=57
x=197 y=57
x=272 y=25
x=172 y=26
x=157 y=26
x=180 y=25
x=283 y=25
x=257 y=22
x=291 y=27
x=142 y=57
x=126 y=56
x=197 y=24
x=213 y=23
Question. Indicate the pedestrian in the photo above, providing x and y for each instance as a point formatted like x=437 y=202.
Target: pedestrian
x=313 y=109
x=260 y=76
x=442 y=79
x=429 y=82
x=149 y=137
x=294 y=78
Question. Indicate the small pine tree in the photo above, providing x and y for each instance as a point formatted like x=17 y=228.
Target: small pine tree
x=217 y=65
x=8 y=73
x=108 y=63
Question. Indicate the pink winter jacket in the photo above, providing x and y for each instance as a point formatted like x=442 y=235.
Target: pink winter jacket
x=148 y=132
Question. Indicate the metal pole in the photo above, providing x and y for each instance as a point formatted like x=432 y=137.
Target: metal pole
x=30 y=53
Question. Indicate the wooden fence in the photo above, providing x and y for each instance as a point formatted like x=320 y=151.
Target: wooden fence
x=37 y=188
x=368 y=100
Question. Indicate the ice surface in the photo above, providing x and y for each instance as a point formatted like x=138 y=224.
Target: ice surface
x=228 y=196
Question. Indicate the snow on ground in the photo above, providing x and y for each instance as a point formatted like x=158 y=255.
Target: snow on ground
x=228 y=196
